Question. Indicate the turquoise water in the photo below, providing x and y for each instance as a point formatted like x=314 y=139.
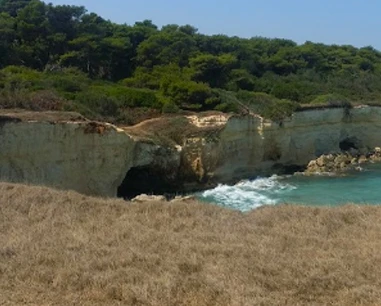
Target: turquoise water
x=359 y=187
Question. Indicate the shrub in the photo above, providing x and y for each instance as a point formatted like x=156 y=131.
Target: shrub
x=96 y=105
x=267 y=105
x=15 y=78
x=240 y=79
x=127 y=97
x=286 y=91
x=142 y=80
x=331 y=100
x=188 y=94
x=227 y=107
x=280 y=109
x=170 y=107
x=140 y=98
x=44 y=100
x=224 y=101
x=67 y=81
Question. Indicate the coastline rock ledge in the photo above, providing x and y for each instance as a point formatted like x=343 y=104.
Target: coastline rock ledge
x=173 y=154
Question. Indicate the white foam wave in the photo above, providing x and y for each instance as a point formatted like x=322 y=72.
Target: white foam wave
x=250 y=194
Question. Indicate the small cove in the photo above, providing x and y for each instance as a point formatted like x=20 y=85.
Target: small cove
x=356 y=187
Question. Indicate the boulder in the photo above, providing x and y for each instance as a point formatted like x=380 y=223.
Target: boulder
x=362 y=159
x=354 y=161
x=342 y=162
x=149 y=198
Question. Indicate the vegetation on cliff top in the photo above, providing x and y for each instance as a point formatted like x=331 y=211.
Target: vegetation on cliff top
x=63 y=248
x=61 y=57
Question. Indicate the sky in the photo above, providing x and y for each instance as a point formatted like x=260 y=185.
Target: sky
x=350 y=22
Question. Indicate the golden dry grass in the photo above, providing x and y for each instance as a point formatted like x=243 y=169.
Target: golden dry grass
x=62 y=248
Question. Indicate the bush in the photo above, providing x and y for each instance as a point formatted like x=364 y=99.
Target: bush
x=332 y=100
x=286 y=91
x=15 y=78
x=108 y=101
x=159 y=77
x=44 y=100
x=228 y=101
x=279 y=110
x=140 y=98
x=142 y=80
x=267 y=105
x=170 y=108
x=188 y=94
x=69 y=89
x=227 y=107
x=67 y=81
x=257 y=102
x=241 y=79
x=127 y=97
x=329 y=98
x=97 y=106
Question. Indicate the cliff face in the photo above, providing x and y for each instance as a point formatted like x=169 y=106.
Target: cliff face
x=249 y=146
x=101 y=159
x=69 y=155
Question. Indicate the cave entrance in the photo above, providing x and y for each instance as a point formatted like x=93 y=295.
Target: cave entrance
x=287 y=169
x=139 y=180
x=349 y=143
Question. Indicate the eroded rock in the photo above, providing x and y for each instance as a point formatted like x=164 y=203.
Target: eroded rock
x=149 y=198
x=70 y=152
x=335 y=163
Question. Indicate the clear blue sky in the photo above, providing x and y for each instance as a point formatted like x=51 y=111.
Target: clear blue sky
x=355 y=22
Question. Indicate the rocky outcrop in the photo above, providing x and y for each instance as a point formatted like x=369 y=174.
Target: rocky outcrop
x=250 y=145
x=178 y=154
x=84 y=156
x=148 y=198
x=342 y=162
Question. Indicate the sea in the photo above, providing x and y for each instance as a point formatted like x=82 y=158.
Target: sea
x=362 y=186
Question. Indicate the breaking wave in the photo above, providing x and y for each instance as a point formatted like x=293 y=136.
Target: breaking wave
x=250 y=194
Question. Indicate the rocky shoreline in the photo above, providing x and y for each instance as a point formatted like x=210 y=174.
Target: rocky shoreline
x=180 y=154
x=339 y=163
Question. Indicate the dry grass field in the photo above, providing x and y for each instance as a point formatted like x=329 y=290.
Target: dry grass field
x=62 y=248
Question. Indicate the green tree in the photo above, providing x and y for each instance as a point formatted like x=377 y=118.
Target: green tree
x=64 y=23
x=7 y=38
x=32 y=31
x=12 y=7
x=168 y=46
x=212 y=69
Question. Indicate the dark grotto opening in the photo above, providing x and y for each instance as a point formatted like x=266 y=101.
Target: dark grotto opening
x=288 y=169
x=146 y=180
x=349 y=143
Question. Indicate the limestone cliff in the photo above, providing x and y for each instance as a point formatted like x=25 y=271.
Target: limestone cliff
x=176 y=154
x=80 y=155
x=250 y=145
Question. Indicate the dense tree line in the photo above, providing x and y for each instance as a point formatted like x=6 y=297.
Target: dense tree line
x=78 y=60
